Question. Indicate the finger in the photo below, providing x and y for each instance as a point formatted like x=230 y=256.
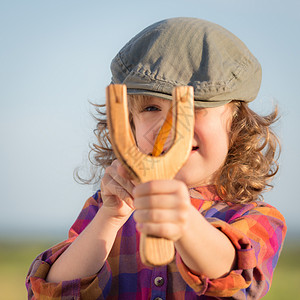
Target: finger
x=125 y=183
x=160 y=216
x=110 y=187
x=111 y=200
x=124 y=172
x=160 y=187
x=168 y=231
x=167 y=201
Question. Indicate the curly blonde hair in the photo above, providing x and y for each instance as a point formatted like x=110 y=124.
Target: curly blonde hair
x=251 y=163
x=252 y=159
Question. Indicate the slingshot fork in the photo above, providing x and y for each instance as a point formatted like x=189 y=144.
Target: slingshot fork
x=154 y=251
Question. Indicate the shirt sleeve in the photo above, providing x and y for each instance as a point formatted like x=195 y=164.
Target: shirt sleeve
x=93 y=287
x=257 y=233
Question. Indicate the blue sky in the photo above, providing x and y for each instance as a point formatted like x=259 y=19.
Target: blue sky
x=55 y=58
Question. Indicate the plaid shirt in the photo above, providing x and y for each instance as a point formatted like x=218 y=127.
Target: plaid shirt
x=256 y=230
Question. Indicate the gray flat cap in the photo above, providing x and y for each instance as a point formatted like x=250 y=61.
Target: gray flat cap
x=188 y=51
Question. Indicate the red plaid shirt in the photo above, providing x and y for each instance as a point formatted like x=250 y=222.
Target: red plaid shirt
x=256 y=230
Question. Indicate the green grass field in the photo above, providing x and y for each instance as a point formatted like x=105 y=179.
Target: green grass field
x=15 y=259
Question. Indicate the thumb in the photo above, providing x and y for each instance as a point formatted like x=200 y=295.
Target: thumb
x=122 y=171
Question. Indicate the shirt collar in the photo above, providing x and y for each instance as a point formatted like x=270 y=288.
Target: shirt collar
x=208 y=193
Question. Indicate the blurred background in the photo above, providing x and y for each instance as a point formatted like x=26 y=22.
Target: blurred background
x=54 y=60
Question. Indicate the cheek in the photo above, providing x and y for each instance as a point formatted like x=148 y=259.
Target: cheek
x=214 y=142
x=145 y=134
x=142 y=142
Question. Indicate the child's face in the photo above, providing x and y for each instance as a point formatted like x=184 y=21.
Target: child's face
x=210 y=142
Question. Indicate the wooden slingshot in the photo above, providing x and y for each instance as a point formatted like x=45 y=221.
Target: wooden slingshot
x=154 y=251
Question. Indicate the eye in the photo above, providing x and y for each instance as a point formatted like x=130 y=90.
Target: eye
x=151 y=108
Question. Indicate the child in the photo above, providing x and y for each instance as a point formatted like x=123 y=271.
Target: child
x=227 y=240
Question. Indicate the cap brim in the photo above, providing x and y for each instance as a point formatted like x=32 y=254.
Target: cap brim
x=197 y=102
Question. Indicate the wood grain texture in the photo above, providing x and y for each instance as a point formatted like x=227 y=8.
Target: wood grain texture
x=154 y=251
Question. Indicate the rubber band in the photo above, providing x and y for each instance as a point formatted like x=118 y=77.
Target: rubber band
x=163 y=134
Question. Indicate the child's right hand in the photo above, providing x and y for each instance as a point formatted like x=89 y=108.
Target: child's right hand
x=116 y=191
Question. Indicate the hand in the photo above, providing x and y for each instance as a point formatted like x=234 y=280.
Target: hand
x=162 y=208
x=116 y=191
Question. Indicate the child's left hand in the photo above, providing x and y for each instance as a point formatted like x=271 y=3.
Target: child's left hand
x=162 y=208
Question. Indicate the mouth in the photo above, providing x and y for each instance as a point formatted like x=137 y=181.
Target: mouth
x=194 y=149
x=163 y=152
